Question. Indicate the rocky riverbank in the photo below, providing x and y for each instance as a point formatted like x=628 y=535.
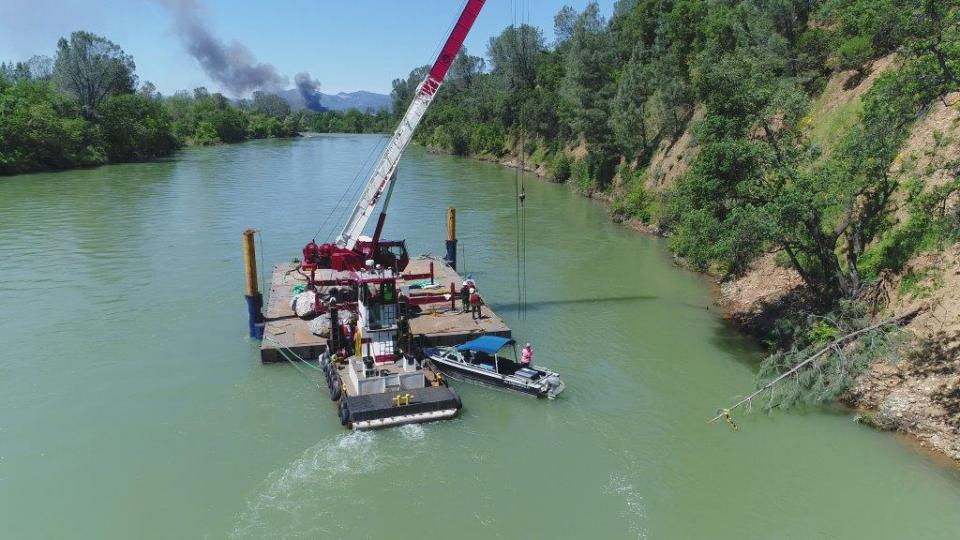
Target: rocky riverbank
x=917 y=394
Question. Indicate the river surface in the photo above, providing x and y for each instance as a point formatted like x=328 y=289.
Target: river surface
x=132 y=404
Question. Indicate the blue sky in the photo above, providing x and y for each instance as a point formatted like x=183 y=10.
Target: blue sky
x=346 y=44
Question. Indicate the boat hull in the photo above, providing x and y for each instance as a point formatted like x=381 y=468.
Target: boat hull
x=464 y=373
x=375 y=411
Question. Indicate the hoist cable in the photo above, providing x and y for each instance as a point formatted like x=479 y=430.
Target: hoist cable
x=346 y=191
x=355 y=188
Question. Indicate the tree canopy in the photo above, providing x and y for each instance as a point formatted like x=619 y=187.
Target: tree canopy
x=616 y=90
x=85 y=108
x=90 y=68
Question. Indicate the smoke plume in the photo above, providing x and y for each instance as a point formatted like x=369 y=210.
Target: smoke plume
x=232 y=65
x=309 y=90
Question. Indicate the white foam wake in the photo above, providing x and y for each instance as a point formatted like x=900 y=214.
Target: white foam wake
x=293 y=504
x=634 y=511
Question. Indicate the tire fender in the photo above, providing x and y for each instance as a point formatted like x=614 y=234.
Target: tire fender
x=344 y=413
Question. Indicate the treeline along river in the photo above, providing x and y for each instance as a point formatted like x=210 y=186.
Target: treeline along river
x=133 y=405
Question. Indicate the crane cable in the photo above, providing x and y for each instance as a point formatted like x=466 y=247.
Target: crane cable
x=516 y=172
x=352 y=188
x=339 y=209
x=519 y=187
x=523 y=189
x=347 y=190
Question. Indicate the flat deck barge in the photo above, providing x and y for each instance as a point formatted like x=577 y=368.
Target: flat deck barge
x=433 y=318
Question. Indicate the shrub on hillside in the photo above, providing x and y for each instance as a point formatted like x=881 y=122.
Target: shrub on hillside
x=486 y=140
x=561 y=167
x=635 y=203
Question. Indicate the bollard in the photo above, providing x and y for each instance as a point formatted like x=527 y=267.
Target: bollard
x=451 y=258
x=253 y=296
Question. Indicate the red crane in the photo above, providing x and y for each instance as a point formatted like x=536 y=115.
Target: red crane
x=349 y=251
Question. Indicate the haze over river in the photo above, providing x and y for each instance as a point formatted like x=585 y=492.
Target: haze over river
x=132 y=404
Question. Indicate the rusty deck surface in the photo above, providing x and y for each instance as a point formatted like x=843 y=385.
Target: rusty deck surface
x=436 y=321
x=283 y=328
x=442 y=324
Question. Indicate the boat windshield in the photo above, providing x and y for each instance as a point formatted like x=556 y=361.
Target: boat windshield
x=497 y=363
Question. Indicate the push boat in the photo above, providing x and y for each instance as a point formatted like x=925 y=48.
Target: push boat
x=483 y=361
x=378 y=385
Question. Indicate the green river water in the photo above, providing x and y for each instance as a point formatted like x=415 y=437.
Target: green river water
x=132 y=404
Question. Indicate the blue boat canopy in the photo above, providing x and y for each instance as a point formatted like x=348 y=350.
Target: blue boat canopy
x=486 y=344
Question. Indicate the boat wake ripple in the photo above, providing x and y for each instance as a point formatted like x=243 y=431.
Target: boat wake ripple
x=412 y=432
x=634 y=512
x=293 y=504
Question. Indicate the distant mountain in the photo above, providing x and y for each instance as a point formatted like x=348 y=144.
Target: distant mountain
x=360 y=100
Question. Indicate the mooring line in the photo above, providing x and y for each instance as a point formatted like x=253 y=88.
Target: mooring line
x=283 y=347
x=302 y=372
x=283 y=350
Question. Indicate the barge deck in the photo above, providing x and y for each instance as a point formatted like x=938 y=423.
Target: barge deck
x=433 y=317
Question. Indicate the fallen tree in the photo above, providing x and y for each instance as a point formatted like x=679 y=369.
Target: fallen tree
x=834 y=346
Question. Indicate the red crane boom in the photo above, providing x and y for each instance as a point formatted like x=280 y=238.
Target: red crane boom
x=349 y=252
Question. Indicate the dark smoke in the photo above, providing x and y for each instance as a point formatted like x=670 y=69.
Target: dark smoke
x=310 y=91
x=233 y=65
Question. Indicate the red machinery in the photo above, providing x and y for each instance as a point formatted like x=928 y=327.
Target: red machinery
x=388 y=254
x=349 y=252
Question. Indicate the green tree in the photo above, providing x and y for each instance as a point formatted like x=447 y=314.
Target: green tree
x=629 y=109
x=404 y=89
x=513 y=55
x=89 y=68
x=230 y=124
x=588 y=88
x=40 y=130
x=270 y=104
x=136 y=128
x=465 y=71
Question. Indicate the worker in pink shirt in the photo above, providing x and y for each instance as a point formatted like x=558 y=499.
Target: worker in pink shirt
x=526 y=356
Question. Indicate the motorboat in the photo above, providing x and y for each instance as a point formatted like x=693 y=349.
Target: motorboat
x=490 y=361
